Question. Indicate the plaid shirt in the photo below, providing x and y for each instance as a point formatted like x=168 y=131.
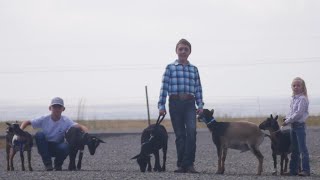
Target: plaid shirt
x=179 y=79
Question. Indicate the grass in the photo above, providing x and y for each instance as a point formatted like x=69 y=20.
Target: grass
x=127 y=125
x=139 y=125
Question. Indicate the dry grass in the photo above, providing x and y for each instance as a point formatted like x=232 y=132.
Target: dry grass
x=127 y=125
x=139 y=125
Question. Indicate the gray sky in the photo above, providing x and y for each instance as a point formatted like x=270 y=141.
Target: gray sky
x=107 y=51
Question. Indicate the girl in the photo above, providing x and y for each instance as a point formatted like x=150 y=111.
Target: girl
x=297 y=117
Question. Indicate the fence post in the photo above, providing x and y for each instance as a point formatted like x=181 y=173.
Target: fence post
x=146 y=87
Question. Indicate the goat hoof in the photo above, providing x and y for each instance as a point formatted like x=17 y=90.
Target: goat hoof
x=219 y=172
x=275 y=173
x=71 y=169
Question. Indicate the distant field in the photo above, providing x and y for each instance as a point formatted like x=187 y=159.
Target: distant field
x=127 y=125
x=138 y=125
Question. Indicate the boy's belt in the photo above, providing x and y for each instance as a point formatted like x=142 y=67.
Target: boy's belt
x=181 y=97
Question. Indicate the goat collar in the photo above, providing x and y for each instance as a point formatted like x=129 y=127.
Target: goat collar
x=211 y=121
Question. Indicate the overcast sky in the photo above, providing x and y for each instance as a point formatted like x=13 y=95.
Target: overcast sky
x=107 y=51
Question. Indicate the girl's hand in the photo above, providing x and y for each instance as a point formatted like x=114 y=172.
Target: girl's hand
x=284 y=124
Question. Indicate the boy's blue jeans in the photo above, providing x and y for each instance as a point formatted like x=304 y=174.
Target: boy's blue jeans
x=183 y=119
x=47 y=150
x=298 y=140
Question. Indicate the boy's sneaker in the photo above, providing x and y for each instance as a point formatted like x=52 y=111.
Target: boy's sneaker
x=180 y=170
x=191 y=169
x=303 y=173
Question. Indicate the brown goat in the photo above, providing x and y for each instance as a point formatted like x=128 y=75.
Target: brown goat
x=17 y=140
x=241 y=136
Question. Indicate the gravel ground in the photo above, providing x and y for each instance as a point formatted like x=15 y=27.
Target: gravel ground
x=112 y=161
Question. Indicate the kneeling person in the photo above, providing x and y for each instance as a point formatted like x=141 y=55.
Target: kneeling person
x=50 y=141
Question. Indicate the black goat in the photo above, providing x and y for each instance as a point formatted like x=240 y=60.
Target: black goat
x=153 y=138
x=77 y=139
x=280 y=142
x=18 y=140
x=242 y=136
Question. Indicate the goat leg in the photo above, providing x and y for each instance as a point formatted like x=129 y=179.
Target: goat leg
x=12 y=153
x=259 y=156
x=286 y=163
x=29 y=159
x=72 y=157
x=80 y=160
x=281 y=163
x=157 y=166
x=219 y=151
x=8 y=153
x=274 y=156
x=164 y=150
x=149 y=168
x=22 y=160
x=224 y=156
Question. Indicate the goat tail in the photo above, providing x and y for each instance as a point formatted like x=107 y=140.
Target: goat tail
x=160 y=120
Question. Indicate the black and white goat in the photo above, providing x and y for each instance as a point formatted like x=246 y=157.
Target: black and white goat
x=18 y=140
x=153 y=138
x=241 y=136
x=77 y=139
x=280 y=142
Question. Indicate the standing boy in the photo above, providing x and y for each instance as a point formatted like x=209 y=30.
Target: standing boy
x=181 y=81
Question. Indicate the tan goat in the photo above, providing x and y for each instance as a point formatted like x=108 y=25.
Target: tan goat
x=241 y=136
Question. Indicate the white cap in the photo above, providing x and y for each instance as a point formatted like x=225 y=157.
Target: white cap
x=57 y=100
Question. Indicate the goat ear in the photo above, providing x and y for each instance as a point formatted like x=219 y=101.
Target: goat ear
x=8 y=124
x=136 y=156
x=276 y=117
x=271 y=116
x=100 y=140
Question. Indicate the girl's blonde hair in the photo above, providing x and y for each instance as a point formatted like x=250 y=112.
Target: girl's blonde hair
x=305 y=92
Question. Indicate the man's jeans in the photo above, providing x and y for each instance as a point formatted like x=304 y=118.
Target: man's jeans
x=298 y=140
x=47 y=150
x=183 y=118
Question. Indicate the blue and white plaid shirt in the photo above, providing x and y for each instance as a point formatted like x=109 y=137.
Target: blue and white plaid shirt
x=180 y=79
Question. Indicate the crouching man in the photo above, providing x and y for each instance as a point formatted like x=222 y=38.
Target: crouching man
x=50 y=140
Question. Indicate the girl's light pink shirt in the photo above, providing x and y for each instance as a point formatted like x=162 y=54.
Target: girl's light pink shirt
x=299 y=109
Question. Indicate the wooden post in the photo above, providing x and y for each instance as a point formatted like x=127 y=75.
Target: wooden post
x=146 y=87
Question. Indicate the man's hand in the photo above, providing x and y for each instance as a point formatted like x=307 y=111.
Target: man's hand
x=162 y=112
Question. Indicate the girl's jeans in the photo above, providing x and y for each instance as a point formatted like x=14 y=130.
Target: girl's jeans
x=298 y=140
